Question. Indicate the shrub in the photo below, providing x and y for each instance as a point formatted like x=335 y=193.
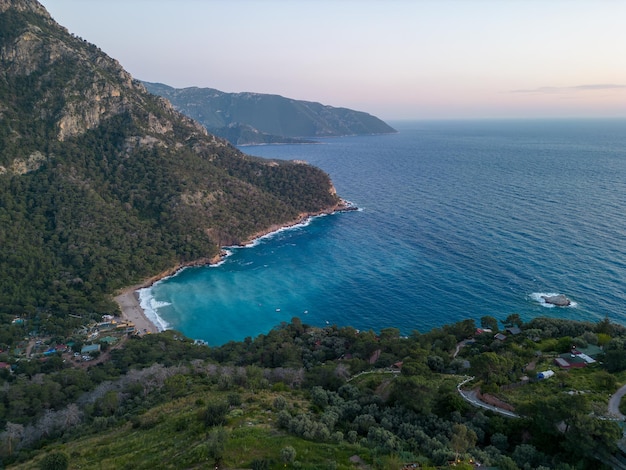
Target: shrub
x=55 y=461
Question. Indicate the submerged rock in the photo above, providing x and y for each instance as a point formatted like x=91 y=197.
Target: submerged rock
x=558 y=300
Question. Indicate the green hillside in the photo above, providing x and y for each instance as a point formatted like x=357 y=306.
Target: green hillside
x=103 y=184
x=336 y=398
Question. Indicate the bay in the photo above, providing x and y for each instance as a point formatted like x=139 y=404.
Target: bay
x=457 y=219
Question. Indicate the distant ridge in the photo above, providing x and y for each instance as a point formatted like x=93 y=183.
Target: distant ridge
x=255 y=118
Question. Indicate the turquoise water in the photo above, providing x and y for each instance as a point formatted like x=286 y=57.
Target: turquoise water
x=458 y=220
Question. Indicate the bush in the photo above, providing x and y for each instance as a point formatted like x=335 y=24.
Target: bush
x=288 y=454
x=260 y=464
x=280 y=403
x=55 y=461
x=215 y=414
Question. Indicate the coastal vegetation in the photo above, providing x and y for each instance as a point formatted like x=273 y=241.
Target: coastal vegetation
x=329 y=397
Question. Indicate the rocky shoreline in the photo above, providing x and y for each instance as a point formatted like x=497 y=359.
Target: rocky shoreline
x=128 y=298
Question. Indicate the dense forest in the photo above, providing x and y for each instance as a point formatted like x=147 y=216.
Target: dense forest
x=103 y=185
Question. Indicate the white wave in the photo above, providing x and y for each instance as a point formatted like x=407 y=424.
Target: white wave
x=539 y=298
x=225 y=254
x=269 y=235
x=151 y=306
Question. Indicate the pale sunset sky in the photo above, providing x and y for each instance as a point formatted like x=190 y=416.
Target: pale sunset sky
x=396 y=59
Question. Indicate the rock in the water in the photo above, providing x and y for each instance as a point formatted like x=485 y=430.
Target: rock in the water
x=558 y=300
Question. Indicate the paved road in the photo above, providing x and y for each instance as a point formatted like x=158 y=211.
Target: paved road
x=614 y=402
x=471 y=398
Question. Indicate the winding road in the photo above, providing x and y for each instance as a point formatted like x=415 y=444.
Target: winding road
x=471 y=397
x=614 y=402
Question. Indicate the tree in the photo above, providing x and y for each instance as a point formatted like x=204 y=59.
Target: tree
x=526 y=456
x=491 y=367
x=513 y=320
x=435 y=363
x=462 y=439
x=216 y=442
x=215 y=414
x=462 y=329
x=500 y=441
x=489 y=322
x=55 y=461
x=591 y=437
x=615 y=360
x=14 y=433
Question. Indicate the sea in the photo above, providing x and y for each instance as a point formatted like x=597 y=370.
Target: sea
x=456 y=220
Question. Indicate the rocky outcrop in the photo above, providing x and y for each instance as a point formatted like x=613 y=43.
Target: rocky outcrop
x=559 y=300
x=21 y=166
x=23 y=6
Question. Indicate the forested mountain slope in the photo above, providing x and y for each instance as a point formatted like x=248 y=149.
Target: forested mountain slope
x=103 y=184
x=245 y=118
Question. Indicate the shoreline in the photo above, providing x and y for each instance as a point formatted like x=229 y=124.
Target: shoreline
x=128 y=298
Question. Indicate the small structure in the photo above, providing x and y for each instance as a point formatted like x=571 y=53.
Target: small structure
x=514 y=330
x=546 y=374
x=591 y=350
x=90 y=348
x=500 y=337
x=570 y=360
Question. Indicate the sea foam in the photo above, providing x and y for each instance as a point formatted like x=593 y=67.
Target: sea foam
x=151 y=306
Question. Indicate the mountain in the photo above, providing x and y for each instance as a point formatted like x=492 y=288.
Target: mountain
x=103 y=184
x=252 y=118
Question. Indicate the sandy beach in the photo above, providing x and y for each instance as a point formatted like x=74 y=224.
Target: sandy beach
x=128 y=301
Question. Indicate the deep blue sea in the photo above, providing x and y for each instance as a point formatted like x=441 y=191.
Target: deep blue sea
x=457 y=220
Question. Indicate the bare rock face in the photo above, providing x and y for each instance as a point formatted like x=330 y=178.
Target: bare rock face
x=558 y=300
x=23 y=5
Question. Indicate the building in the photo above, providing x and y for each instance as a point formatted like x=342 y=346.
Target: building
x=90 y=348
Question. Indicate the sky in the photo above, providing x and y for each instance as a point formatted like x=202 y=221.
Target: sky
x=396 y=59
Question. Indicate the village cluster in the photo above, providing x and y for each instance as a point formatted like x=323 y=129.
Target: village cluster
x=89 y=342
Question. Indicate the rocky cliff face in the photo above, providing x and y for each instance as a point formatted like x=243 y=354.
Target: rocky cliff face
x=95 y=86
x=24 y=6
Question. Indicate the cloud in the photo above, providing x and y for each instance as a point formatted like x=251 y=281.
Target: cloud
x=570 y=89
